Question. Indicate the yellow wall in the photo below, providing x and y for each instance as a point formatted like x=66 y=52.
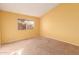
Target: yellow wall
x=9 y=27
x=62 y=23
x=0 y=27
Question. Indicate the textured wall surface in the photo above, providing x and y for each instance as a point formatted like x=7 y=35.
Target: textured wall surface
x=62 y=23
x=10 y=30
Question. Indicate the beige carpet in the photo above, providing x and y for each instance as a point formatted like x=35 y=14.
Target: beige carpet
x=39 y=46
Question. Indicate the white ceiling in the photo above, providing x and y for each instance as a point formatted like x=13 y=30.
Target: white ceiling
x=32 y=9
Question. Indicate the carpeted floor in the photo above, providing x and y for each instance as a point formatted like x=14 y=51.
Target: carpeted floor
x=39 y=46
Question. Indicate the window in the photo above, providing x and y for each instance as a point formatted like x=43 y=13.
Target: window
x=25 y=24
